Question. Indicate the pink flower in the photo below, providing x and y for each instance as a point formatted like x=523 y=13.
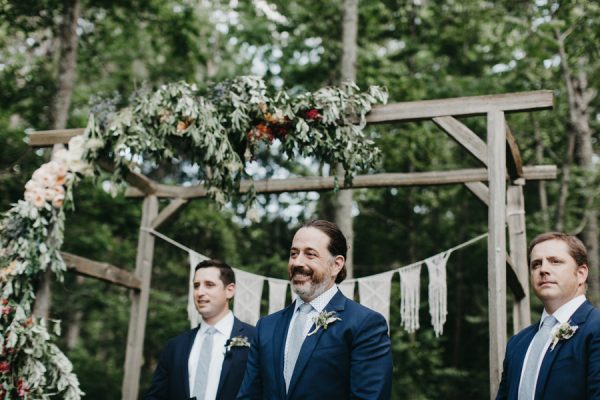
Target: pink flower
x=58 y=201
x=313 y=114
x=4 y=367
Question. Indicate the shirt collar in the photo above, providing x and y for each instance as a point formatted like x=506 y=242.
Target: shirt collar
x=320 y=301
x=566 y=311
x=224 y=325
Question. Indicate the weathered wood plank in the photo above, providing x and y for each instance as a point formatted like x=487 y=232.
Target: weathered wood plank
x=480 y=190
x=461 y=106
x=496 y=145
x=139 y=303
x=464 y=137
x=101 y=270
x=51 y=137
x=320 y=183
x=174 y=206
x=512 y=279
x=515 y=218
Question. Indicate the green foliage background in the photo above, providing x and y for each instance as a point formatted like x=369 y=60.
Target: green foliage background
x=418 y=50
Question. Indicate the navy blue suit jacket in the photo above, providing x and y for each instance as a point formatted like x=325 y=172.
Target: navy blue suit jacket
x=170 y=380
x=570 y=371
x=352 y=358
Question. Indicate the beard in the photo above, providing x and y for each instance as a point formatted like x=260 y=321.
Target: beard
x=310 y=288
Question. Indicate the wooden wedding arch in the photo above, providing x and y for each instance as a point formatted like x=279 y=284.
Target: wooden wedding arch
x=501 y=169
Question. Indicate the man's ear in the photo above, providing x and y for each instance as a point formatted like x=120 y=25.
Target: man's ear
x=338 y=264
x=582 y=274
x=230 y=291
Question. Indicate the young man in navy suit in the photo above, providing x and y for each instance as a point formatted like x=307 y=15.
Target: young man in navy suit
x=558 y=357
x=324 y=345
x=208 y=362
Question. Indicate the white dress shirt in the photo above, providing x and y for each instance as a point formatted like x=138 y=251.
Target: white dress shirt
x=224 y=328
x=562 y=315
x=318 y=305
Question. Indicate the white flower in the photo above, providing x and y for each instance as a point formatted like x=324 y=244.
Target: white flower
x=323 y=320
x=58 y=201
x=94 y=144
x=61 y=156
x=564 y=331
x=76 y=147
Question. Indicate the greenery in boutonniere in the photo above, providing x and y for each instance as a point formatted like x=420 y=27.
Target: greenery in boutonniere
x=323 y=320
x=564 y=331
x=236 y=341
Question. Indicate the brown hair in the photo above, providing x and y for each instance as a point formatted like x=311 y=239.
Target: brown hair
x=576 y=247
x=337 y=242
x=226 y=273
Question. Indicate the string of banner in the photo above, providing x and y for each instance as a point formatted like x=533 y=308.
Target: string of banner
x=373 y=290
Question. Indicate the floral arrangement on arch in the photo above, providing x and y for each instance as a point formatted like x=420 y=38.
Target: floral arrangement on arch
x=220 y=130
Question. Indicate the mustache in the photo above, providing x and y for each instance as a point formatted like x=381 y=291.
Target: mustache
x=300 y=270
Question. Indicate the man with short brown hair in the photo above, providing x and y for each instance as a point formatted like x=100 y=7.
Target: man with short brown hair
x=558 y=357
x=209 y=361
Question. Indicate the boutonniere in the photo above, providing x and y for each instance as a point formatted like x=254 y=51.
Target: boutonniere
x=323 y=320
x=563 y=331
x=236 y=341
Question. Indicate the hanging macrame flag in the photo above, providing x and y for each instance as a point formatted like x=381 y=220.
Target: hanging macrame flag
x=347 y=288
x=193 y=316
x=374 y=292
x=248 y=291
x=438 y=294
x=410 y=283
x=277 y=291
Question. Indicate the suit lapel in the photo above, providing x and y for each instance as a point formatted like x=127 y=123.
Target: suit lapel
x=578 y=319
x=189 y=342
x=336 y=304
x=279 y=337
x=237 y=330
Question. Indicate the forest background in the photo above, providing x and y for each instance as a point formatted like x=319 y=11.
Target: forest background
x=57 y=56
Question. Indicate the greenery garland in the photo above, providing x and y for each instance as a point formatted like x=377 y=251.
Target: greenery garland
x=219 y=130
x=222 y=128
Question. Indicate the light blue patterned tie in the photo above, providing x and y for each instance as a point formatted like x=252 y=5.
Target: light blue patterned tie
x=295 y=342
x=204 y=364
x=530 y=368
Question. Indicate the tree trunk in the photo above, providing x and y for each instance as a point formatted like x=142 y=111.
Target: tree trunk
x=343 y=199
x=539 y=158
x=59 y=111
x=579 y=98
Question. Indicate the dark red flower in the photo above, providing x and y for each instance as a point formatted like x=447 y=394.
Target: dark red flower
x=4 y=367
x=21 y=388
x=4 y=302
x=6 y=310
x=313 y=114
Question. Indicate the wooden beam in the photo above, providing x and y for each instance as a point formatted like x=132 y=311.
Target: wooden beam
x=103 y=271
x=52 y=137
x=464 y=137
x=168 y=212
x=461 y=106
x=139 y=303
x=321 y=183
x=480 y=190
x=514 y=165
x=515 y=218
x=496 y=146
x=144 y=184
x=512 y=280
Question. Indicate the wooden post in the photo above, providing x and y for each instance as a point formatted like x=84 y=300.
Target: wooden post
x=496 y=147
x=518 y=252
x=139 y=303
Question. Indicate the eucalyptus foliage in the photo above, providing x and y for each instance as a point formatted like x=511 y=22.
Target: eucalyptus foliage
x=221 y=128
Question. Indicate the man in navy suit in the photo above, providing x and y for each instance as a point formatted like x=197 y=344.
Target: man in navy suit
x=208 y=362
x=564 y=363
x=324 y=345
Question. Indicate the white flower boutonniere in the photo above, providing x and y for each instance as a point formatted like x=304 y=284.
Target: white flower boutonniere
x=563 y=331
x=323 y=320
x=236 y=341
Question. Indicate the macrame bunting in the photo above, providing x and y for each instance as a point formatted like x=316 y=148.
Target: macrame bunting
x=193 y=314
x=248 y=291
x=347 y=288
x=277 y=291
x=410 y=284
x=374 y=292
x=438 y=307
